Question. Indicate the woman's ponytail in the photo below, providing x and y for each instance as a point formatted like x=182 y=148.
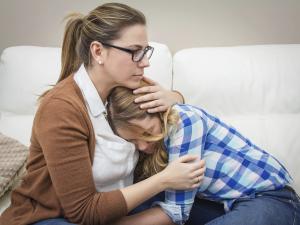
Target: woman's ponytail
x=70 y=60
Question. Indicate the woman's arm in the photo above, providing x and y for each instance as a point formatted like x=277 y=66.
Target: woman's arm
x=61 y=132
x=181 y=174
x=156 y=98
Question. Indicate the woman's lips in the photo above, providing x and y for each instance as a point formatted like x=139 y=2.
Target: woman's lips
x=138 y=77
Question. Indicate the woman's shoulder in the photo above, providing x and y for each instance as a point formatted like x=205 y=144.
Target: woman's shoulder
x=66 y=89
x=64 y=98
x=65 y=92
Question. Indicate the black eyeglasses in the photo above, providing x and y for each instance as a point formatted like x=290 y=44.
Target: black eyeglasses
x=137 y=55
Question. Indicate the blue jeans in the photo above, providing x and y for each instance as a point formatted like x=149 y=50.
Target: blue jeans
x=56 y=221
x=281 y=207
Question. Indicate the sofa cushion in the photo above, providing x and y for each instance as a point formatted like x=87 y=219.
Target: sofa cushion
x=13 y=156
x=17 y=126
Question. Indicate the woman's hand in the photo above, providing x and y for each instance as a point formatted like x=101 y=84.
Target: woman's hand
x=183 y=173
x=186 y=172
x=156 y=98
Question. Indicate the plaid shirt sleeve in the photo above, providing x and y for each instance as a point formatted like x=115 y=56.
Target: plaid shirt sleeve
x=185 y=138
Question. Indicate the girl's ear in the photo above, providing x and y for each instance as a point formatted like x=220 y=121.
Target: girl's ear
x=97 y=52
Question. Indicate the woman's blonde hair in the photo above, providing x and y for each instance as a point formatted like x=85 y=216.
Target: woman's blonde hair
x=104 y=24
x=121 y=109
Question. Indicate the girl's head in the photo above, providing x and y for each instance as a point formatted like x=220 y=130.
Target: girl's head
x=112 y=40
x=136 y=125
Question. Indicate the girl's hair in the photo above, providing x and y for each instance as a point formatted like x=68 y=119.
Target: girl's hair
x=121 y=109
x=104 y=24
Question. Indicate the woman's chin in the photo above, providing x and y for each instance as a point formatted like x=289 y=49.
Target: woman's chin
x=132 y=85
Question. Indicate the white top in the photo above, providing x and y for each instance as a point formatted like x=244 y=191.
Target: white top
x=115 y=158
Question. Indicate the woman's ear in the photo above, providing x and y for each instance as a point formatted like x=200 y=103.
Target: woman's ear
x=97 y=52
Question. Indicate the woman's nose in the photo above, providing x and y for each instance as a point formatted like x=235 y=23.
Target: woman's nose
x=144 y=62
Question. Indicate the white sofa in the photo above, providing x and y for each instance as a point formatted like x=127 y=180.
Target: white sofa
x=254 y=88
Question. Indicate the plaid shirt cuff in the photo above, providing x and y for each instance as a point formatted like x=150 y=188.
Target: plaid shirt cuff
x=173 y=211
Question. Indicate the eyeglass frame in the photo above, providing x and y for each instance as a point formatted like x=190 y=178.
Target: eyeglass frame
x=131 y=51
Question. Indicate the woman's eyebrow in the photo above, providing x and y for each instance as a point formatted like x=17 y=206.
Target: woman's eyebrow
x=137 y=46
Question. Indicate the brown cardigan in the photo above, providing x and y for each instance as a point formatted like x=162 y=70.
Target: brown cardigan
x=59 y=181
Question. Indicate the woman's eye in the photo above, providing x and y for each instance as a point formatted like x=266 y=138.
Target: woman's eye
x=136 y=50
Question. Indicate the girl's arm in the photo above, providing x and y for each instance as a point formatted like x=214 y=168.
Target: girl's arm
x=179 y=203
x=187 y=139
x=179 y=175
x=156 y=98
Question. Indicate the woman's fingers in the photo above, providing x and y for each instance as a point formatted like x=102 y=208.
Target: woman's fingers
x=154 y=106
x=155 y=97
x=197 y=175
x=188 y=158
x=195 y=185
x=202 y=163
x=147 y=97
x=151 y=104
x=197 y=164
x=199 y=172
x=161 y=108
x=146 y=89
x=198 y=180
x=185 y=172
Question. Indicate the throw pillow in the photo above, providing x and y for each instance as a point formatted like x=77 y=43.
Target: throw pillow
x=13 y=156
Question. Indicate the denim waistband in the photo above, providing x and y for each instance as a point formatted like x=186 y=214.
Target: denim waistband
x=286 y=192
x=289 y=188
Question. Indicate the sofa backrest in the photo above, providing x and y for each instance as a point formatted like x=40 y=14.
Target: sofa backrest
x=253 y=88
x=259 y=79
x=27 y=71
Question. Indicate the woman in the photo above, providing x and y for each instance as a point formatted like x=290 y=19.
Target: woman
x=78 y=171
x=251 y=184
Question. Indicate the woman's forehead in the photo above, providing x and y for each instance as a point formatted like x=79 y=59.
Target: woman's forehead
x=132 y=36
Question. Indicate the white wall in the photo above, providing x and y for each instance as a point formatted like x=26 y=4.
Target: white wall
x=177 y=23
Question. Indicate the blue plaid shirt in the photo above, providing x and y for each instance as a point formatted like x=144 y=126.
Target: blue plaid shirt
x=235 y=167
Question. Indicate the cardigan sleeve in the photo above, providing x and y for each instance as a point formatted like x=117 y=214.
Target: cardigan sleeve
x=63 y=134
